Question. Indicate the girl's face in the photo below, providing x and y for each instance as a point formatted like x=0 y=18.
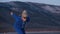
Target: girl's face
x=24 y=15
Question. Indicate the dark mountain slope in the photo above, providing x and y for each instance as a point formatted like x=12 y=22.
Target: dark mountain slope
x=42 y=15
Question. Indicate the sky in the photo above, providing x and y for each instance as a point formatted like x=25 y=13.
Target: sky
x=52 y=2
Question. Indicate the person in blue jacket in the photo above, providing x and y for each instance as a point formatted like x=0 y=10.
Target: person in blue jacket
x=20 y=22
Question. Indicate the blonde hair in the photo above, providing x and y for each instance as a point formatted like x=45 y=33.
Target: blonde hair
x=24 y=13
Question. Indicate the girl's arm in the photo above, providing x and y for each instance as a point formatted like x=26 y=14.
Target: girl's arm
x=14 y=16
x=28 y=19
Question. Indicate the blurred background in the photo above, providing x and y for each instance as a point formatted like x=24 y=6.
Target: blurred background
x=44 y=15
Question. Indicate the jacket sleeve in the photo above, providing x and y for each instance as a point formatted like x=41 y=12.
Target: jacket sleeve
x=15 y=17
x=28 y=19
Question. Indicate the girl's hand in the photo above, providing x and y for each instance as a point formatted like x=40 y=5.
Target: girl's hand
x=11 y=13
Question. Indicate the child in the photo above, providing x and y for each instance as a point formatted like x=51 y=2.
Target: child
x=20 y=22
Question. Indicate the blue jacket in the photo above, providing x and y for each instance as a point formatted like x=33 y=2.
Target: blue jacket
x=18 y=24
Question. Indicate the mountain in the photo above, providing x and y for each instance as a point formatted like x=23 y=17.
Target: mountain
x=43 y=16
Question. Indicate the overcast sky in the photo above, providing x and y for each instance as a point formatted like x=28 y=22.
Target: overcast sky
x=52 y=2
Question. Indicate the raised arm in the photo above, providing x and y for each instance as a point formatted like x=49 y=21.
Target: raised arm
x=14 y=16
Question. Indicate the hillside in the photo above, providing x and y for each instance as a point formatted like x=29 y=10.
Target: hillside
x=43 y=16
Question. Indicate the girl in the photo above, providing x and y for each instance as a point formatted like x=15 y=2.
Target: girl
x=20 y=22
